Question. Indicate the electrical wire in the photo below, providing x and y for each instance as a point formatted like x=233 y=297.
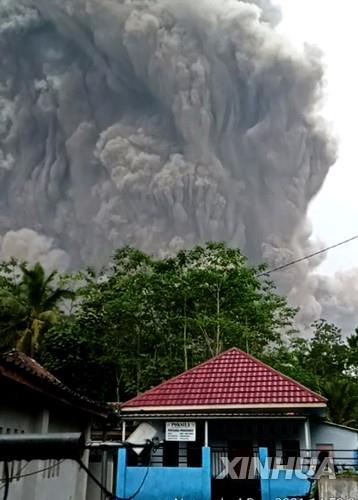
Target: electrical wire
x=28 y=474
x=17 y=475
x=307 y=257
x=107 y=493
x=152 y=448
x=7 y=480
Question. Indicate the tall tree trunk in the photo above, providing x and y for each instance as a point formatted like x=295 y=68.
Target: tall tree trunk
x=138 y=363
x=218 y=329
x=185 y=337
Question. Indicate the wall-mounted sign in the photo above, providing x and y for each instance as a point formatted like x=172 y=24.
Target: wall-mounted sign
x=180 y=431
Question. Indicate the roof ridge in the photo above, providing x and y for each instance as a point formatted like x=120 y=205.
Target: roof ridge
x=189 y=386
x=18 y=357
x=287 y=377
x=200 y=365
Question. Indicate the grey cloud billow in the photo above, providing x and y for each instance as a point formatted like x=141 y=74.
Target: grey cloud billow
x=159 y=124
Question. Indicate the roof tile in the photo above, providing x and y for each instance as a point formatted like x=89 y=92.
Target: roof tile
x=231 y=378
x=32 y=371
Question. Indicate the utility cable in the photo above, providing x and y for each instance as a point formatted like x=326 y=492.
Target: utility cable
x=307 y=257
x=28 y=474
x=107 y=493
x=7 y=480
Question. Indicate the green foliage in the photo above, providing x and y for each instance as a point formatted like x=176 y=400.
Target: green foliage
x=327 y=364
x=141 y=320
x=28 y=305
x=157 y=317
x=79 y=360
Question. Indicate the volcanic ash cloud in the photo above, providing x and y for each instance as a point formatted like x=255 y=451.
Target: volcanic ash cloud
x=159 y=124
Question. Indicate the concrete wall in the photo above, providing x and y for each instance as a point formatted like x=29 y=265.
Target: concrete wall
x=16 y=419
x=344 y=488
x=164 y=483
x=61 y=480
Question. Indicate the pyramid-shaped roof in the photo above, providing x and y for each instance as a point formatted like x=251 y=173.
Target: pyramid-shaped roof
x=233 y=379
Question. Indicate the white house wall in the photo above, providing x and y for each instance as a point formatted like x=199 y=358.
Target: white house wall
x=63 y=480
x=341 y=438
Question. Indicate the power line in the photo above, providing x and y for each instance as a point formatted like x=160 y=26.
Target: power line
x=53 y=466
x=7 y=480
x=33 y=473
x=307 y=257
x=106 y=492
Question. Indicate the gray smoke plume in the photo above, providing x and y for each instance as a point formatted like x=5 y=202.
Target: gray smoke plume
x=29 y=246
x=160 y=124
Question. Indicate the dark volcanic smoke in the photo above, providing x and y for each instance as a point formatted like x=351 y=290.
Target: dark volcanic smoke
x=159 y=124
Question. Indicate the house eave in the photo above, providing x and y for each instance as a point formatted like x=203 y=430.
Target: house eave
x=24 y=381
x=213 y=416
x=216 y=410
x=340 y=426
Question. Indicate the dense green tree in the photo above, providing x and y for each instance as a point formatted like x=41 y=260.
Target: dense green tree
x=325 y=363
x=29 y=305
x=79 y=360
x=342 y=395
x=141 y=320
x=328 y=351
x=158 y=317
x=11 y=311
x=352 y=355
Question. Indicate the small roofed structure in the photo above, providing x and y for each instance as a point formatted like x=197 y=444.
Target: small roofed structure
x=232 y=382
x=222 y=412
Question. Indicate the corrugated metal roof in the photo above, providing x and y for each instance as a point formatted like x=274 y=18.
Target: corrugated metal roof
x=233 y=378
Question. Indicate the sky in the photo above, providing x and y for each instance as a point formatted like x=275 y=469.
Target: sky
x=333 y=27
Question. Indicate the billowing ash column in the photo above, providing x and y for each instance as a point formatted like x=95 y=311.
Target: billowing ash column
x=160 y=124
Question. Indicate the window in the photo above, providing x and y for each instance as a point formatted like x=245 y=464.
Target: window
x=170 y=454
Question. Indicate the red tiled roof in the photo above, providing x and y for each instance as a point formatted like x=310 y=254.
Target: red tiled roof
x=232 y=378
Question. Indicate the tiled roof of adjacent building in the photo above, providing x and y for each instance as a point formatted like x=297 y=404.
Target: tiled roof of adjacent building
x=22 y=369
x=232 y=379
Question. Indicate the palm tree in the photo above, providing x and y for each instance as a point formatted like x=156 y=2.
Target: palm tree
x=35 y=300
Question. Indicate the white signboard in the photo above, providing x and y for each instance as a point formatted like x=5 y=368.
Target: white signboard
x=180 y=431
